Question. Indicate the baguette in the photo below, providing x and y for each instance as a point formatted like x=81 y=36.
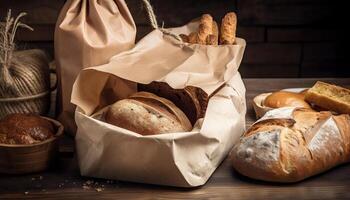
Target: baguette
x=213 y=38
x=329 y=97
x=205 y=29
x=228 y=29
x=291 y=144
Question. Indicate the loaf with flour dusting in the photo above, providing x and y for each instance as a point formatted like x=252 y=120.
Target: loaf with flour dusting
x=147 y=114
x=291 y=144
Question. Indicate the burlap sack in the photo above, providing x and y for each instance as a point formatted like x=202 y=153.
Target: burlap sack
x=88 y=33
x=177 y=159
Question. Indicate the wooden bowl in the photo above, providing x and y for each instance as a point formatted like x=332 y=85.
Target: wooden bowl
x=258 y=101
x=29 y=158
x=258 y=105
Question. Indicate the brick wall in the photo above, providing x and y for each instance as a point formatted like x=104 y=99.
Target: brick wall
x=285 y=38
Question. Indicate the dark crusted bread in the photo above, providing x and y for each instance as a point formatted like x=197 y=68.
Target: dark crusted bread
x=191 y=100
x=25 y=129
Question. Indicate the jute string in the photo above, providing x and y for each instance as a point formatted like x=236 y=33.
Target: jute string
x=153 y=20
x=24 y=76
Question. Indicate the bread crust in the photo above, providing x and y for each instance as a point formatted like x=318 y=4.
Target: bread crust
x=191 y=100
x=213 y=39
x=147 y=114
x=205 y=29
x=279 y=150
x=284 y=99
x=228 y=29
x=25 y=129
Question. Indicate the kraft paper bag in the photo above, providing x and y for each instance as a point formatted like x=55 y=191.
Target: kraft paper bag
x=184 y=159
x=88 y=33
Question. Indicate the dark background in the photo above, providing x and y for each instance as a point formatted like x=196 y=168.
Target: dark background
x=285 y=38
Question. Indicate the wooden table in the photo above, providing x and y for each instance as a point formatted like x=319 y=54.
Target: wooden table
x=64 y=181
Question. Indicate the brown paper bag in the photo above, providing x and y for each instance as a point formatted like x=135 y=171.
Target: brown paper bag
x=177 y=159
x=88 y=33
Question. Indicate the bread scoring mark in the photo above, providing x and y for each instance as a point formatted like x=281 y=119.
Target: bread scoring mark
x=262 y=148
x=327 y=140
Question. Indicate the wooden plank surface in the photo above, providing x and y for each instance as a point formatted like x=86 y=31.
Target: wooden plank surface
x=64 y=182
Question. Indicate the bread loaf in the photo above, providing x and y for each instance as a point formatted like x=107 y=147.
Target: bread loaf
x=291 y=144
x=147 y=114
x=285 y=99
x=25 y=129
x=191 y=100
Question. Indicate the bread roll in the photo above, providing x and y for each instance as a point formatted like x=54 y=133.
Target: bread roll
x=291 y=144
x=147 y=114
x=285 y=99
x=25 y=129
x=330 y=97
x=191 y=100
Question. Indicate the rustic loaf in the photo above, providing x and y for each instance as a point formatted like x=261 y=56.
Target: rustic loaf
x=147 y=114
x=25 y=129
x=291 y=144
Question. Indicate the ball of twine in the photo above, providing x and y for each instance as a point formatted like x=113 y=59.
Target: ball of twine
x=24 y=75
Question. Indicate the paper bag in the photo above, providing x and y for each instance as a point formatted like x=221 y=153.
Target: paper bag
x=177 y=159
x=88 y=33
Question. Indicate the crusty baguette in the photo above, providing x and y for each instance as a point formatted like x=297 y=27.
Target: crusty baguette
x=228 y=29
x=330 y=97
x=147 y=114
x=284 y=149
x=213 y=39
x=205 y=29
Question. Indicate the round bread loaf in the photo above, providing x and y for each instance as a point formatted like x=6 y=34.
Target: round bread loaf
x=285 y=99
x=25 y=129
x=147 y=114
